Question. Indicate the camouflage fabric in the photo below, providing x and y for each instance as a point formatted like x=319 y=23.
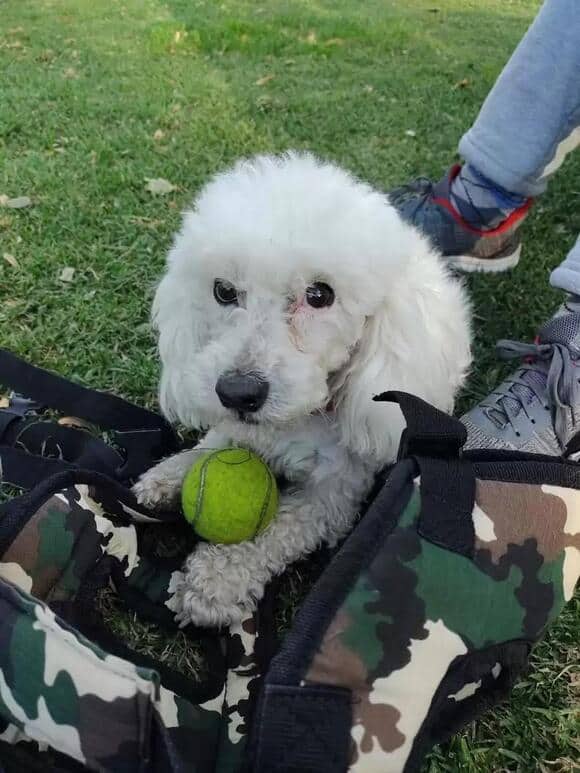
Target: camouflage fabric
x=63 y=540
x=59 y=689
x=403 y=641
x=418 y=611
x=242 y=682
x=64 y=692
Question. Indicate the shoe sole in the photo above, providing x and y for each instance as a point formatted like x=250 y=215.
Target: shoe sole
x=470 y=264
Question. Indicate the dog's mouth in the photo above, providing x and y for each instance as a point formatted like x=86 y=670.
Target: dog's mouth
x=247 y=418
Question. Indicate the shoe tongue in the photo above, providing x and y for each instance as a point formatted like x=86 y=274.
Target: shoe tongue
x=519 y=394
x=442 y=188
x=564 y=329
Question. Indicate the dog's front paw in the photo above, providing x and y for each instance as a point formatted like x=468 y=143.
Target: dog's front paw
x=215 y=589
x=158 y=490
x=192 y=606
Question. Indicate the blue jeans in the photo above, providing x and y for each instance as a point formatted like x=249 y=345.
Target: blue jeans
x=530 y=120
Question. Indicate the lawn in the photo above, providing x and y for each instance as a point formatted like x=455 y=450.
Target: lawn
x=97 y=97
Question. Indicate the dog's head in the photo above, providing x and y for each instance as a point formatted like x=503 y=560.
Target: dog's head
x=293 y=288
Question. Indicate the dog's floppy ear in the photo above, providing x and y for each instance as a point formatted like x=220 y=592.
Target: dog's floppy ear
x=418 y=341
x=181 y=330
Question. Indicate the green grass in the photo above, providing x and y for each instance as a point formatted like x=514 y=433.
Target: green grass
x=86 y=85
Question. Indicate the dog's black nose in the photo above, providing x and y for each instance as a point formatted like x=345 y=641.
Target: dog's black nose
x=246 y=393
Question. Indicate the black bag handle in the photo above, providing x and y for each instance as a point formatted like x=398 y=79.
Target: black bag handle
x=435 y=440
x=142 y=435
x=106 y=410
x=429 y=431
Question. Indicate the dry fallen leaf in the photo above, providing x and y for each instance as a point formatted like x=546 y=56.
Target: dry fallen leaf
x=17 y=203
x=67 y=274
x=11 y=260
x=159 y=186
x=159 y=134
x=70 y=73
x=265 y=79
x=334 y=42
x=147 y=222
x=462 y=84
x=74 y=422
x=311 y=37
x=46 y=56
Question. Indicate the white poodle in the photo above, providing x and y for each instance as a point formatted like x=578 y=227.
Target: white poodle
x=293 y=294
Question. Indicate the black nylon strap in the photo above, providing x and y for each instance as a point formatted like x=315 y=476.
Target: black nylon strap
x=303 y=730
x=447 y=499
x=435 y=440
x=106 y=410
x=52 y=440
x=143 y=436
x=7 y=420
x=24 y=470
x=429 y=432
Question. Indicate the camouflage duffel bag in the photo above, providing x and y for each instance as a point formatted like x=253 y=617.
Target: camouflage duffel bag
x=428 y=613
x=422 y=619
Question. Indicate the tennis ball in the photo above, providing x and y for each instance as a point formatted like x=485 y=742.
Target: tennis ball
x=229 y=496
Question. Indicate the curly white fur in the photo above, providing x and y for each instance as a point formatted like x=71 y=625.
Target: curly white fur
x=272 y=226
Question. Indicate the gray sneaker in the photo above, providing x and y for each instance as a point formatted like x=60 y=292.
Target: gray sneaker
x=537 y=409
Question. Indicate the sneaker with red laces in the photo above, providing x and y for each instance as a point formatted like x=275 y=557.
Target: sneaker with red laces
x=429 y=207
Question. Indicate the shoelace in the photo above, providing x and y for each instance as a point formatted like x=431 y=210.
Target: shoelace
x=420 y=190
x=562 y=386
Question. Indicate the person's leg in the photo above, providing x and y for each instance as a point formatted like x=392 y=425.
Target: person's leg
x=567 y=275
x=537 y=408
x=531 y=118
x=527 y=125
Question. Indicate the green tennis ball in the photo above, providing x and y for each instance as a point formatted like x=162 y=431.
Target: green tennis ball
x=229 y=496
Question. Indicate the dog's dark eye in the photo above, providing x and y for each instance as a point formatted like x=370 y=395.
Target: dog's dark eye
x=224 y=292
x=319 y=295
